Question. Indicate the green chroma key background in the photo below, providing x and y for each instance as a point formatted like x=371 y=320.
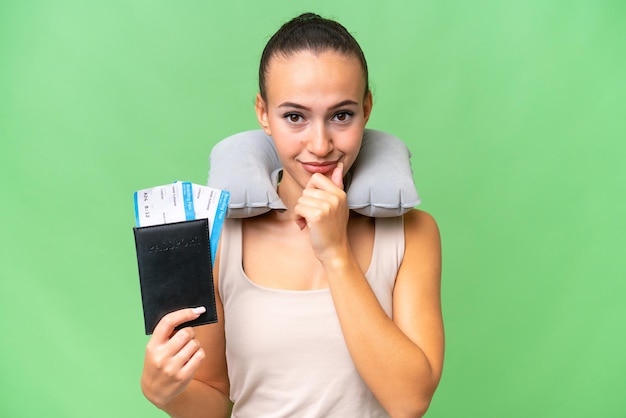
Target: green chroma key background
x=513 y=110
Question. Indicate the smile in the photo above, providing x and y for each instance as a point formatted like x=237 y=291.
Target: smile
x=319 y=167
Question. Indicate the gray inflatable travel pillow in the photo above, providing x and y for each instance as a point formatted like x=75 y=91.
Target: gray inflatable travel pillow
x=379 y=184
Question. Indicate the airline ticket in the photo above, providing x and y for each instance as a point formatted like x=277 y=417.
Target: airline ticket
x=182 y=201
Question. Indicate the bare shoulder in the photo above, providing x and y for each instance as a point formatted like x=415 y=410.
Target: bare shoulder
x=420 y=225
x=422 y=238
x=422 y=253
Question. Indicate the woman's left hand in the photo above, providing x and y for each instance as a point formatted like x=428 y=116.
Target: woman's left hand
x=323 y=209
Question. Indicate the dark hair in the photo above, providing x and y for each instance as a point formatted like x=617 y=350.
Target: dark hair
x=310 y=32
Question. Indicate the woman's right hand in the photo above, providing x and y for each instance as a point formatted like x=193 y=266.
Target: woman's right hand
x=172 y=357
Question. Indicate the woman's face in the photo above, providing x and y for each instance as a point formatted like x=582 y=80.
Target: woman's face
x=315 y=110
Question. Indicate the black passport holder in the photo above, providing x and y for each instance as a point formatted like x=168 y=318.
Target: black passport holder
x=175 y=271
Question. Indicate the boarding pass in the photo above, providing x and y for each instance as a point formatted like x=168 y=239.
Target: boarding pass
x=182 y=201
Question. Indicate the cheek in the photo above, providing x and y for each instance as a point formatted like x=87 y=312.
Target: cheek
x=352 y=146
x=350 y=140
x=286 y=146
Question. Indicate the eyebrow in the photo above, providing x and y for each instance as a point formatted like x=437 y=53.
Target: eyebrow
x=299 y=106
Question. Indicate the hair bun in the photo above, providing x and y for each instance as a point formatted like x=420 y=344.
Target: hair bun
x=305 y=17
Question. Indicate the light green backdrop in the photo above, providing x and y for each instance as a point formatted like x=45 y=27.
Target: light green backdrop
x=514 y=112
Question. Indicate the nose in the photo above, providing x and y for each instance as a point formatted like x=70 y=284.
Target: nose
x=320 y=142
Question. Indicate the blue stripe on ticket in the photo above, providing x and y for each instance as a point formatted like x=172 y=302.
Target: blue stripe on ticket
x=220 y=214
x=136 y=209
x=190 y=213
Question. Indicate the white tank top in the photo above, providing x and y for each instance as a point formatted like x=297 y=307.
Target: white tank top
x=285 y=350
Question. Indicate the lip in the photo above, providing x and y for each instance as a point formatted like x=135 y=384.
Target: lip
x=325 y=167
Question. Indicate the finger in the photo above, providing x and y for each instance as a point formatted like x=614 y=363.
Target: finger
x=337 y=175
x=185 y=353
x=311 y=184
x=325 y=199
x=321 y=182
x=313 y=210
x=180 y=339
x=193 y=363
x=166 y=326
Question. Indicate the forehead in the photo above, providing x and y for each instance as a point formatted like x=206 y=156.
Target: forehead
x=309 y=73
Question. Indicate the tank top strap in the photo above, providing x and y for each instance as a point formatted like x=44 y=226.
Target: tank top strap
x=387 y=256
x=231 y=252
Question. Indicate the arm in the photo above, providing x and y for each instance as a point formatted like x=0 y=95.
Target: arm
x=185 y=371
x=400 y=360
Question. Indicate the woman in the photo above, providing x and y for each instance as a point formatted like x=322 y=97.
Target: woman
x=322 y=312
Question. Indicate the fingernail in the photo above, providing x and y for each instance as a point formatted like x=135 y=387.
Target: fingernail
x=199 y=310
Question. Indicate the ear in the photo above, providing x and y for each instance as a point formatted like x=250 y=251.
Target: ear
x=367 y=106
x=261 y=114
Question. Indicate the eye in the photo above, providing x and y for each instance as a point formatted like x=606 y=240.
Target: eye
x=343 y=116
x=293 y=117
